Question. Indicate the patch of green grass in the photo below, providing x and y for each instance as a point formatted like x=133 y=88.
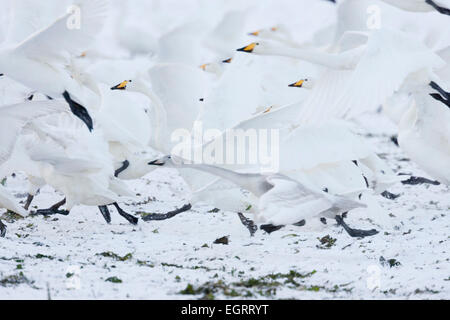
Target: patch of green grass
x=110 y=254
x=114 y=280
x=265 y=286
x=326 y=242
x=15 y=280
x=11 y=217
x=145 y=263
x=43 y=256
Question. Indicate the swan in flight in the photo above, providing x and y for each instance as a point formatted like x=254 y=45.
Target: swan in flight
x=355 y=80
x=13 y=119
x=40 y=61
x=279 y=199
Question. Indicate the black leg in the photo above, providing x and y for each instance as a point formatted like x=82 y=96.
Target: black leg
x=124 y=166
x=168 y=215
x=2 y=229
x=80 y=111
x=249 y=224
x=28 y=202
x=356 y=233
x=438 y=8
x=54 y=209
x=131 y=219
x=269 y=228
x=105 y=213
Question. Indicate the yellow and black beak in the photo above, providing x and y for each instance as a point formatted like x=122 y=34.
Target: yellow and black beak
x=248 y=48
x=227 y=60
x=158 y=162
x=297 y=84
x=121 y=86
x=255 y=34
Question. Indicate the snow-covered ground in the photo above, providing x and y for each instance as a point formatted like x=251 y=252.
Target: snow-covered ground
x=81 y=257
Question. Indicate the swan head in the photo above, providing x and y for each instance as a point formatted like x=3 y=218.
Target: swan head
x=122 y=86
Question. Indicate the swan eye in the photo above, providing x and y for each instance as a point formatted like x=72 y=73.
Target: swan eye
x=298 y=84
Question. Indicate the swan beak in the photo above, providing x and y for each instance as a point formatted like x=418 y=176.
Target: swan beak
x=158 y=162
x=121 y=86
x=1 y=74
x=248 y=48
x=203 y=66
x=255 y=34
x=227 y=60
x=297 y=84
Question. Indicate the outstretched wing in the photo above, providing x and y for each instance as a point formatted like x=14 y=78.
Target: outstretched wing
x=391 y=56
x=73 y=32
x=14 y=117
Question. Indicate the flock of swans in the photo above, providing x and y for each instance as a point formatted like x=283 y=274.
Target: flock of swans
x=70 y=120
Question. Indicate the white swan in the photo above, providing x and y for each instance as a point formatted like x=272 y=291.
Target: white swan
x=356 y=81
x=279 y=199
x=38 y=61
x=13 y=119
x=59 y=151
x=424 y=132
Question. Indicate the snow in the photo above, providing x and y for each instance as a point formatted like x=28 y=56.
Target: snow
x=167 y=256
x=79 y=256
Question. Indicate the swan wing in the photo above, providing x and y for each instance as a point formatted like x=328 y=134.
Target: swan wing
x=391 y=57
x=8 y=202
x=14 y=118
x=73 y=32
x=289 y=202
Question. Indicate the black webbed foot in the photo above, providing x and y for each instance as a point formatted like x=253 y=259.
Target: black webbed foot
x=248 y=223
x=168 y=215
x=131 y=219
x=356 y=233
x=419 y=180
x=53 y=210
x=50 y=212
x=269 y=228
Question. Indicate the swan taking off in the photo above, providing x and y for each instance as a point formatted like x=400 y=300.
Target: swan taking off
x=280 y=200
